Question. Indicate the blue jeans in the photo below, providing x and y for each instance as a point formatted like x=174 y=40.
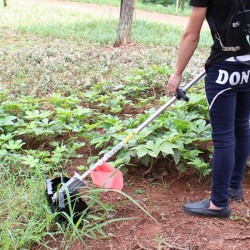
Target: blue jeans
x=227 y=87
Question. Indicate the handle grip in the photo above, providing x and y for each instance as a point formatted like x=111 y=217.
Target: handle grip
x=180 y=94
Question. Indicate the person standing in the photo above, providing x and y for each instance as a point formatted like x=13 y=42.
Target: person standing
x=227 y=88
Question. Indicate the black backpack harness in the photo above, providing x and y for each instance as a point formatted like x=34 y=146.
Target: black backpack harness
x=236 y=37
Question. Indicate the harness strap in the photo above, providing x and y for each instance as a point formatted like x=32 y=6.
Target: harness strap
x=217 y=35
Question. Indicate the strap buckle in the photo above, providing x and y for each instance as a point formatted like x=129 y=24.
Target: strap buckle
x=227 y=49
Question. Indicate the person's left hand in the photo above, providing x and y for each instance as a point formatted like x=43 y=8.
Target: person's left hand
x=173 y=83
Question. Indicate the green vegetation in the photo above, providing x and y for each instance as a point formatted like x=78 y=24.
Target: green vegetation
x=55 y=22
x=161 y=6
x=64 y=88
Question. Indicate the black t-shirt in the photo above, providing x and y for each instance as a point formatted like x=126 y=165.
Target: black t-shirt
x=221 y=12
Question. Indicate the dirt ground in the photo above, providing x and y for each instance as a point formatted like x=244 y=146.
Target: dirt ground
x=173 y=229
x=164 y=196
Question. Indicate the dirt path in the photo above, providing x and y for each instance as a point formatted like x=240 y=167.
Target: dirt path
x=111 y=12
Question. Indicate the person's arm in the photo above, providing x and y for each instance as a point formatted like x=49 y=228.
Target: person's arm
x=188 y=44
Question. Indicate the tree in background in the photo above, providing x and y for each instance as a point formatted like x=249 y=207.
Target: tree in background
x=182 y=4
x=5 y=3
x=124 y=33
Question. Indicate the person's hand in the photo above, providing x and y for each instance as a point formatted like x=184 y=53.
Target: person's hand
x=173 y=83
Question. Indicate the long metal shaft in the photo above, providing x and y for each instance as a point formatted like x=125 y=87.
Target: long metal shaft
x=77 y=181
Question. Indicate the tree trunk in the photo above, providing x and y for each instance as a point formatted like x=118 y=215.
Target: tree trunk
x=5 y=3
x=124 y=33
x=182 y=4
x=176 y=6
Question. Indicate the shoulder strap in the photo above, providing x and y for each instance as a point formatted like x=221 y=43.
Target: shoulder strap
x=217 y=35
x=243 y=1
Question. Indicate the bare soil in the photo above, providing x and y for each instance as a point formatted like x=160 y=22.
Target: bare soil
x=174 y=229
x=164 y=195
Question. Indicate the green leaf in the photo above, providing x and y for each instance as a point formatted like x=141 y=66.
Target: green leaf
x=9 y=120
x=141 y=151
x=30 y=160
x=154 y=153
x=150 y=145
x=181 y=124
x=176 y=157
x=14 y=145
x=145 y=160
x=167 y=148
x=7 y=137
x=152 y=149
x=139 y=191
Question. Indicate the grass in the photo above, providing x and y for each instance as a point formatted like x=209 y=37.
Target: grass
x=24 y=216
x=37 y=66
x=26 y=220
x=46 y=50
x=57 y=22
